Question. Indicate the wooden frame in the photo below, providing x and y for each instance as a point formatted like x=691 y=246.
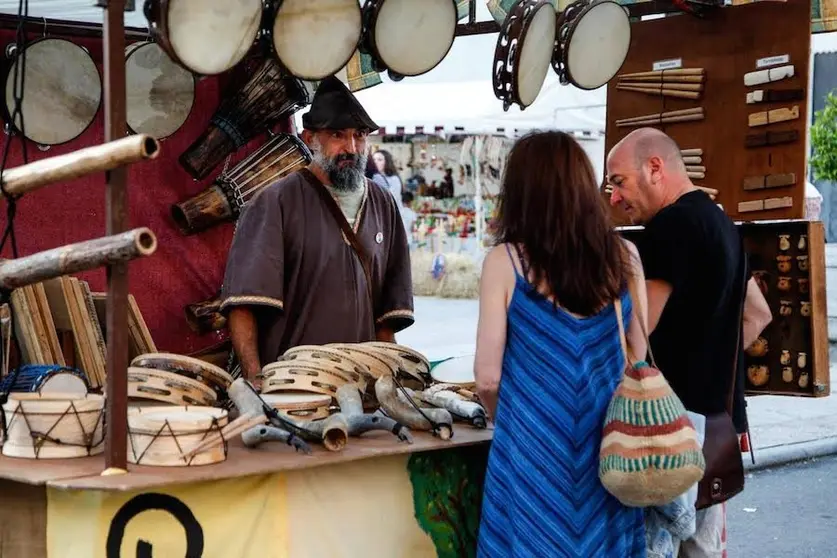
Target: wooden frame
x=727 y=44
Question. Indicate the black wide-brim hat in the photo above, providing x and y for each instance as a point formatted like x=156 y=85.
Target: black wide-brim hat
x=335 y=108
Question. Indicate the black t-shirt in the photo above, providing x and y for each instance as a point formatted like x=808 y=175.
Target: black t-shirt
x=693 y=246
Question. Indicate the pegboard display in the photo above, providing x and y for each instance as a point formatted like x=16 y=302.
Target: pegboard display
x=787 y=259
x=731 y=89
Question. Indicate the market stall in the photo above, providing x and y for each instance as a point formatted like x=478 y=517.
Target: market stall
x=119 y=405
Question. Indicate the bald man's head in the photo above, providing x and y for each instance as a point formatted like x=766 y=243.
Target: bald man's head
x=646 y=172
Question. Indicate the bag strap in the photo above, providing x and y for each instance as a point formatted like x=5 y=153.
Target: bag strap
x=639 y=309
x=348 y=233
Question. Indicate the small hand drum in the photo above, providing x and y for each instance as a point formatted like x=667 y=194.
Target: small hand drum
x=592 y=43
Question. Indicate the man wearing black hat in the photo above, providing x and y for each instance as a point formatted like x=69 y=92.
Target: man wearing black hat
x=321 y=256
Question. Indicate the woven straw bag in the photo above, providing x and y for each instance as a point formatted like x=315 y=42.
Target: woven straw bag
x=650 y=452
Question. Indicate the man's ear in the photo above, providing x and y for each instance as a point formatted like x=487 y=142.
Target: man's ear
x=306 y=136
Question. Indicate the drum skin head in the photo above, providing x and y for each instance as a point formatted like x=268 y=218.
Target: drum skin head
x=412 y=38
x=598 y=45
x=211 y=36
x=536 y=54
x=300 y=31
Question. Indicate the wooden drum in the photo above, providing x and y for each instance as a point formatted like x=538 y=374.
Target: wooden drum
x=592 y=44
x=299 y=406
x=167 y=387
x=303 y=377
x=62 y=91
x=281 y=155
x=406 y=37
x=158 y=436
x=53 y=425
x=413 y=363
x=523 y=52
x=329 y=358
x=161 y=94
x=207 y=373
x=207 y=37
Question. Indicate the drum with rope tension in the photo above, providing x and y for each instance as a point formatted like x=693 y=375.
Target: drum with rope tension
x=281 y=155
x=159 y=436
x=592 y=43
x=254 y=107
x=62 y=91
x=206 y=37
x=408 y=38
x=160 y=93
x=523 y=52
x=334 y=26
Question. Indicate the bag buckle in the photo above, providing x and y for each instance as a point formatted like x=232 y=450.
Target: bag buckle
x=715 y=489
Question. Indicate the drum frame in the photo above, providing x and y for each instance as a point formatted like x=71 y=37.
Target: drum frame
x=267 y=30
x=157 y=14
x=509 y=49
x=368 y=45
x=132 y=49
x=8 y=72
x=567 y=22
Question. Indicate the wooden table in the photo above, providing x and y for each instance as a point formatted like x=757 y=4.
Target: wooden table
x=376 y=497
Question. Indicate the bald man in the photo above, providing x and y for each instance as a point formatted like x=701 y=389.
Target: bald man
x=696 y=275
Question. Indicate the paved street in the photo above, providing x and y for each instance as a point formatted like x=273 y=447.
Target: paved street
x=786 y=512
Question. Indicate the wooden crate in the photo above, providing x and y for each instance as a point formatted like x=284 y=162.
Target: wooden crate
x=793 y=333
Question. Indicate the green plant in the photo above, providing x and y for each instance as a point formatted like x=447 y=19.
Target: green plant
x=824 y=141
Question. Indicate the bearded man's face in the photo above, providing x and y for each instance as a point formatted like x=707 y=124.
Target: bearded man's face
x=342 y=155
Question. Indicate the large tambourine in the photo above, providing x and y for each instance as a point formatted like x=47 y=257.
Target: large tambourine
x=313 y=39
x=207 y=37
x=408 y=38
x=160 y=93
x=523 y=52
x=62 y=91
x=592 y=43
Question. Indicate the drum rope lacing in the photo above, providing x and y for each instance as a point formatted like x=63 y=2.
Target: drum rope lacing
x=215 y=426
x=38 y=438
x=11 y=200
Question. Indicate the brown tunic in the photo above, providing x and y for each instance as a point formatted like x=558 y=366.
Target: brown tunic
x=291 y=265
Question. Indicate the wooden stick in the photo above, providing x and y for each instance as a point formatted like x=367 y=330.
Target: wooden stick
x=684 y=112
x=658 y=86
x=665 y=79
x=659 y=73
x=692 y=160
x=690 y=152
x=695 y=168
x=73 y=258
x=236 y=427
x=695 y=175
x=90 y=160
x=664 y=120
x=694 y=95
x=711 y=191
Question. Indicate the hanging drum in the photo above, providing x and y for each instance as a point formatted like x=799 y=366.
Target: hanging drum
x=206 y=37
x=160 y=93
x=278 y=157
x=246 y=111
x=406 y=37
x=523 y=52
x=62 y=91
x=601 y=29
x=334 y=26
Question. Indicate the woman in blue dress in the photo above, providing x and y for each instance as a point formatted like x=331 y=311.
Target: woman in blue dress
x=549 y=358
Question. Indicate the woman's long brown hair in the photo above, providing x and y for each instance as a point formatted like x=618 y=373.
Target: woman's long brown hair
x=551 y=208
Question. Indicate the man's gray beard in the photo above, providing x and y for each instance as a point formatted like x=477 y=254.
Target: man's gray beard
x=344 y=179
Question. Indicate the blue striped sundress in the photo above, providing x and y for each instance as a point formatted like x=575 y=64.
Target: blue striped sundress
x=542 y=495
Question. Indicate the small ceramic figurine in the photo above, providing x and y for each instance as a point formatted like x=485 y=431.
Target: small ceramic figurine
x=758 y=374
x=803 y=380
x=787 y=374
x=784 y=242
x=783 y=263
x=805 y=308
x=801 y=360
x=758 y=348
x=785 y=358
x=784 y=284
x=803 y=242
x=802 y=261
x=803 y=285
x=785 y=308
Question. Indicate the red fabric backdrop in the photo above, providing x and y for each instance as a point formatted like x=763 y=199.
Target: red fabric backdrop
x=184 y=269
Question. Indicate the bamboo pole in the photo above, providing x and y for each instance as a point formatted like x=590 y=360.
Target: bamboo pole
x=80 y=256
x=89 y=160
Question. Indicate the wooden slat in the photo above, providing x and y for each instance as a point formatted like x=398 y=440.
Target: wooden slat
x=821 y=377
